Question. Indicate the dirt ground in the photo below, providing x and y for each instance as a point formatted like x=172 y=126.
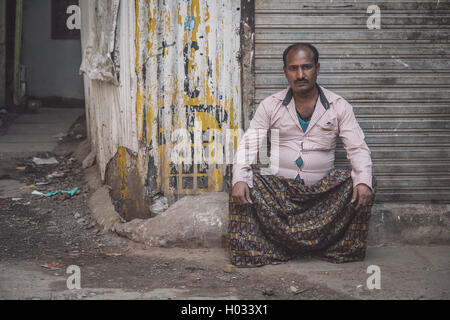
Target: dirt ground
x=41 y=236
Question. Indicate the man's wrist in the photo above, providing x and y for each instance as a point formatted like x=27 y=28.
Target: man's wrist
x=236 y=182
x=364 y=184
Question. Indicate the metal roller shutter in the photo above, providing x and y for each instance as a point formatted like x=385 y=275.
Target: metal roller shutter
x=397 y=78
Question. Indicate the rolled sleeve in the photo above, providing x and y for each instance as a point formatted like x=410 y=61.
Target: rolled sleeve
x=357 y=150
x=247 y=150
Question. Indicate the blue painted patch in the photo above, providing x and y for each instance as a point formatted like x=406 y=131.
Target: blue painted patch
x=190 y=24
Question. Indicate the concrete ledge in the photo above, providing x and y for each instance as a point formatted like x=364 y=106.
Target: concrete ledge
x=103 y=210
x=410 y=224
x=35 y=133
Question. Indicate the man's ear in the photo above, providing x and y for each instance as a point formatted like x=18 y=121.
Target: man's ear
x=318 y=67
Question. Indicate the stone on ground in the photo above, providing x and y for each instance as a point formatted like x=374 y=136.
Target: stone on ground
x=192 y=222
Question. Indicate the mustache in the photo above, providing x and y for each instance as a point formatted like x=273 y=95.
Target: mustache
x=301 y=81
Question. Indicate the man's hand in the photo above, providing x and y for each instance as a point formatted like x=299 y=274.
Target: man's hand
x=241 y=193
x=362 y=195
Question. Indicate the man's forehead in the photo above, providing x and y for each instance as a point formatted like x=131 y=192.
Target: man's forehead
x=300 y=54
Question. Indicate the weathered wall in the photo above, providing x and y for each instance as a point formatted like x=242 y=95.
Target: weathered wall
x=247 y=60
x=52 y=65
x=188 y=71
x=111 y=106
x=177 y=67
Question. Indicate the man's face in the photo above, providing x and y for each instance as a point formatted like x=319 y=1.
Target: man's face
x=301 y=70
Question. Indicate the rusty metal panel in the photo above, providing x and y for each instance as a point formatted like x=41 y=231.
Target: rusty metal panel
x=396 y=77
x=110 y=100
x=107 y=38
x=187 y=65
x=99 y=44
x=124 y=177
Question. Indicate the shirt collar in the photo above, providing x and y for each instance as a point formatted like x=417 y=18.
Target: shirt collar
x=322 y=96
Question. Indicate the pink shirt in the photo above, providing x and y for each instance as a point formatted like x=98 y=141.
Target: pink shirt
x=332 y=117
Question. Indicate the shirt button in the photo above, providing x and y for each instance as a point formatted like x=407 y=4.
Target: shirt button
x=299 y=162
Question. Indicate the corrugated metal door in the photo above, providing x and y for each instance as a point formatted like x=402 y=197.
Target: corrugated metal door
x=397 y=78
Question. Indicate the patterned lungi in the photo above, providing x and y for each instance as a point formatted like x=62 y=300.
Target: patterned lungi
x=289 y=219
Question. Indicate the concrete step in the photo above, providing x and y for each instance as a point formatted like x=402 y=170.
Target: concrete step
x=408 y=223
x=38 y=132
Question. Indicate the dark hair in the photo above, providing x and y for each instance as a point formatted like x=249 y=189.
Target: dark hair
x=299 y=46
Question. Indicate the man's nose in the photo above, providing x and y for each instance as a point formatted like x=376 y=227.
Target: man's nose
x=299 y=73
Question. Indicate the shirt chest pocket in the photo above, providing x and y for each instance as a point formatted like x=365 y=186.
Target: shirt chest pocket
x=323 y=135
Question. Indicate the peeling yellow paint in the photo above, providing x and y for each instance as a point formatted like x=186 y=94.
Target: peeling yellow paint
x=121 y=165
x=167 y=68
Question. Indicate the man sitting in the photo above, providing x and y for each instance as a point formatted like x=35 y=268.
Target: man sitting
x=306 y=206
